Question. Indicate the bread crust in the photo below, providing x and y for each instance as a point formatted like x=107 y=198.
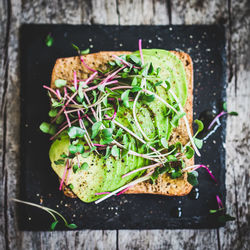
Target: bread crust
x=64 y=68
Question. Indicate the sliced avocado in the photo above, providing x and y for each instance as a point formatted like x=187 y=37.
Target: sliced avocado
x=106 y=174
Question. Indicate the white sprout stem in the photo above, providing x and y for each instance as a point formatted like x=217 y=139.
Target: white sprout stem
x=135 y=153
x=93 y=111
x=142 y=168
x=186 y=123
x=194 y=167
x=144 y=178
x=48 y=210
x=151 y=93
x=82 y=107
x=134 y=112
x=137 y=137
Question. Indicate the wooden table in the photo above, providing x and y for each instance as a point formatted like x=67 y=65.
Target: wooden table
x=235 y=15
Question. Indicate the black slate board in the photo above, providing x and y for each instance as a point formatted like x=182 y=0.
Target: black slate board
x=205 y=44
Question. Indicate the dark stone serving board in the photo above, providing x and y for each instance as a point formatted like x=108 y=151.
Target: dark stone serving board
x=205 y=44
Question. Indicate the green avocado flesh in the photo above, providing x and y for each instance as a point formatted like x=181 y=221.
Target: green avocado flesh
x=105 y=175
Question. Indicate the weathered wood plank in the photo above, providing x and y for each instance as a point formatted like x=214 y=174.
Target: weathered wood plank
x=4 y=21
x=236 y=235
x=36 y=12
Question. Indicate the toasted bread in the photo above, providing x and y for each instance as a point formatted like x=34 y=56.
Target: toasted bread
x=64 y=68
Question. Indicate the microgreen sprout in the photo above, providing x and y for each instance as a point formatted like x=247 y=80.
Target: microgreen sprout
x=50 y=211
x=49 y=40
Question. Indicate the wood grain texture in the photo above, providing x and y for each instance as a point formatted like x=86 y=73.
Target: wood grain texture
x=235 y=15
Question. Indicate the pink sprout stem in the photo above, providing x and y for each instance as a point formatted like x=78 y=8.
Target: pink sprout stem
x=75 y=80
x=102 y=193
x=194 y=167
x=123 y=61
x=140 y=49
x=52 y=90
x=96 y=86
x=86 y=66
x=219 y=201
x=216 y=119
x=64 y=174
x=58 y=93
x=69 y=172
x=99 y=145
x=124 y=190
x=112 y=75
x=90 y=78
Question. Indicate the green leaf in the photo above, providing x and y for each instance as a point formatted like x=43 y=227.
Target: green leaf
x=135 y=89
x=53 y=225
x=175 y=120
x=84 y=166
x=48 y=128
x=76 y=132
x=53 y=113
x=71 y=226
x=225 y=217
x=72 y=149
x=101 y=87
x=49 y=40
x=193 y=178
x=59 y=119
x=75 y=142
x=106 y=136
x=213 y=211
x=157 y=71
x=80 y=148
x=95 y=129
x=135 y=60
x=158 y=83
x=105 y=101
x=108 y=152
x=75 y=168
x=145 y=71
x=189 y=152
x=171 y=158
x=124 y=152
x=164 y=142
x=60 y=83
x=59 y=162
x=75 y=47
x=85 y=51
x=64 y=155
x=198 y=143
x=148 y=98
x=176 y=174
x=56 y=104
x=71 y=186
x=115 y=151
x=233 y=113
x=200 y=125
x=168 y=85
x=224 y=106
x=125 y=140
x=94 y=95
x=134 y=82
x=118 y=133
x=150 y=69
x=125 y=98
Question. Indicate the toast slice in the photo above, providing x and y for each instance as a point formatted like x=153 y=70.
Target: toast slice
x=164 y=185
